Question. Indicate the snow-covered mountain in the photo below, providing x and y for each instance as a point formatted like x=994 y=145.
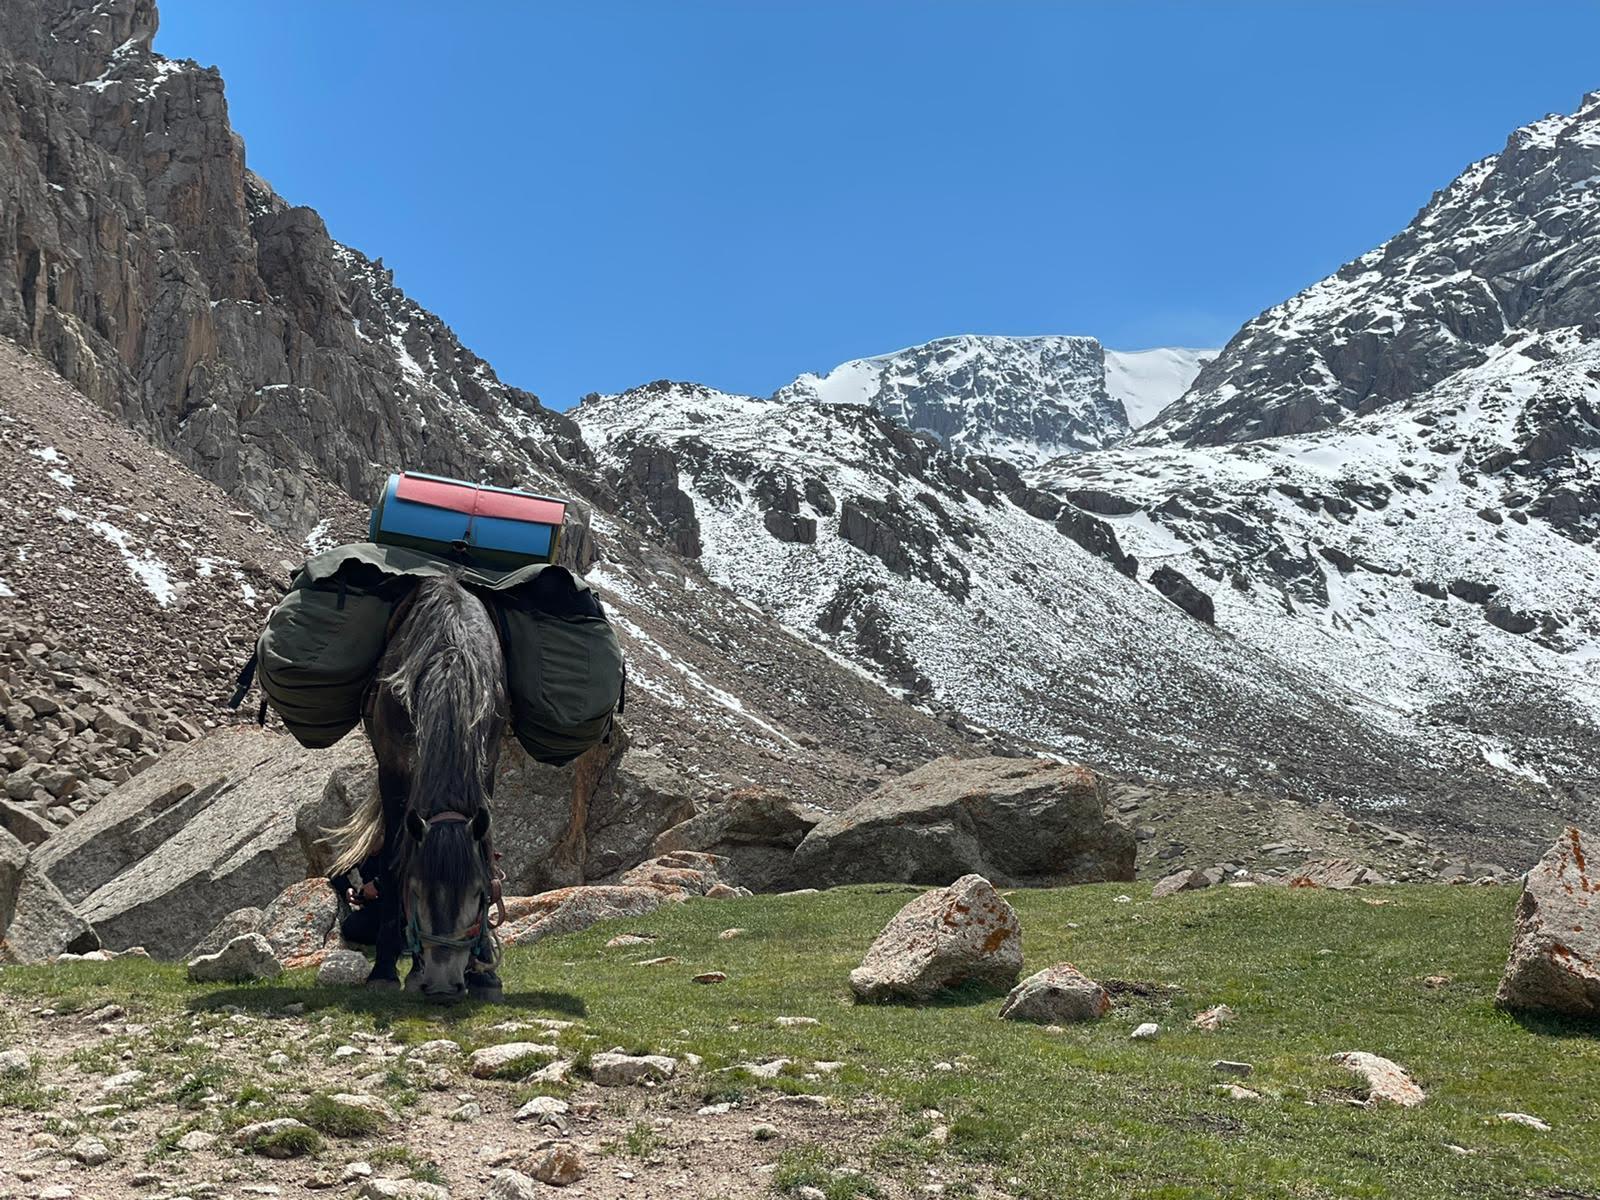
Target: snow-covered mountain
x=1511 y=246
x=1027 y=399
x=1354 y=561
x=1146 y=381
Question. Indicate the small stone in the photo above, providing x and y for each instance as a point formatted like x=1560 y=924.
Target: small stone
x=354 y=1171
x=244 y=958
x=1146 y=1032
x=278 y=1061
x=727 y=935
x=437 y=1048
x=666 y=960
x=1213 y=1019
x=1224 y=1066
x=491 y=1060
x=1526 y=1120
x=512 y=1185
x=810 y=1193
x=767 y=1070
x=341 y=967
x=15 y=1064
x=196 y=1139
x=1387 y=1081
x=1061 y=994
x=90 y=1151
x=557 y=1165
x=122 y=1081
x=1436 y=981
x=402 y=1189
x=343 y=1052
x=546 y=1110
x=795 y=1022
x=1234 y=1092
x=629 y=939
x=470 y=1111
x=764 y=1133
x=615 y=1070
x=711 y=977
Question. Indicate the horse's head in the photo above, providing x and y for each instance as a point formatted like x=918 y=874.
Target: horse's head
x=448 y=891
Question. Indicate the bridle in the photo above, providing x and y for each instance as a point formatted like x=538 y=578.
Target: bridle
x=478 y=937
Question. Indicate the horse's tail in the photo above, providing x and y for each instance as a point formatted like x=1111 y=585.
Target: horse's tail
x=358 y=837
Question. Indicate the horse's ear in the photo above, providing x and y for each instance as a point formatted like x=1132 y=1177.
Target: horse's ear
x=415 y=825
x=480 y=824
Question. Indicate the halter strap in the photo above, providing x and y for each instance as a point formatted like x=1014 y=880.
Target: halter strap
x=479 y=938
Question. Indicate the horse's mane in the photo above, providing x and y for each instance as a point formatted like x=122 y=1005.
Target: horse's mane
x=444 y=670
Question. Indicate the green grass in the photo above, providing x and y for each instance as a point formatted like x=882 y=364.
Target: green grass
x=294 y=1141
x=812 y=1166
x=1088 y=1111
x=327 y=1115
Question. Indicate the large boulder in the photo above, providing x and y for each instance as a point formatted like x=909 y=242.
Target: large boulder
x=1555 y=951
x=574 y=909
x=964 y=933
x=220 y=824
x=623 y=800
x=1016 y=821
x=300 y=921
x=682 y=874
x=755 y=830
x=36 y=921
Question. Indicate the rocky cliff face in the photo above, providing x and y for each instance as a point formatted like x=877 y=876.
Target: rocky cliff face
x=1511 y=247
x=140 y=256
x=1023 y=399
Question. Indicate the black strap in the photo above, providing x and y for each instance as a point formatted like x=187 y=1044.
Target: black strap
x=622 y=692
x=247 y=676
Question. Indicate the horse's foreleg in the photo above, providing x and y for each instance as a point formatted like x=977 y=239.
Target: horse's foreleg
x=391 y=944
x=391 y=920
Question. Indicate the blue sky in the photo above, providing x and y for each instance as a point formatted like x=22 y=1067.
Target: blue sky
x=599 y=194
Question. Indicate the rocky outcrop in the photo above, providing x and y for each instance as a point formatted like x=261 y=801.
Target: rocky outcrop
x=1016 y=821
x=562 y=826
x=961 y=934
x=227 y=822
x=1509 y=246
x=36 y=921
x=1554 y=964
x=166 y=281
x=756 y=830
x=1175 y=586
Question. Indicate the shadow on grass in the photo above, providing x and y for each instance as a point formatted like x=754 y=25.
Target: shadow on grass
x=1552 y=1025
x=966 y=995
x=271 y=1001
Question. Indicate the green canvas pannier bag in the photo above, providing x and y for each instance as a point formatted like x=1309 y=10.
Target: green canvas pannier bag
x=322 y=644
x=563 y=663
